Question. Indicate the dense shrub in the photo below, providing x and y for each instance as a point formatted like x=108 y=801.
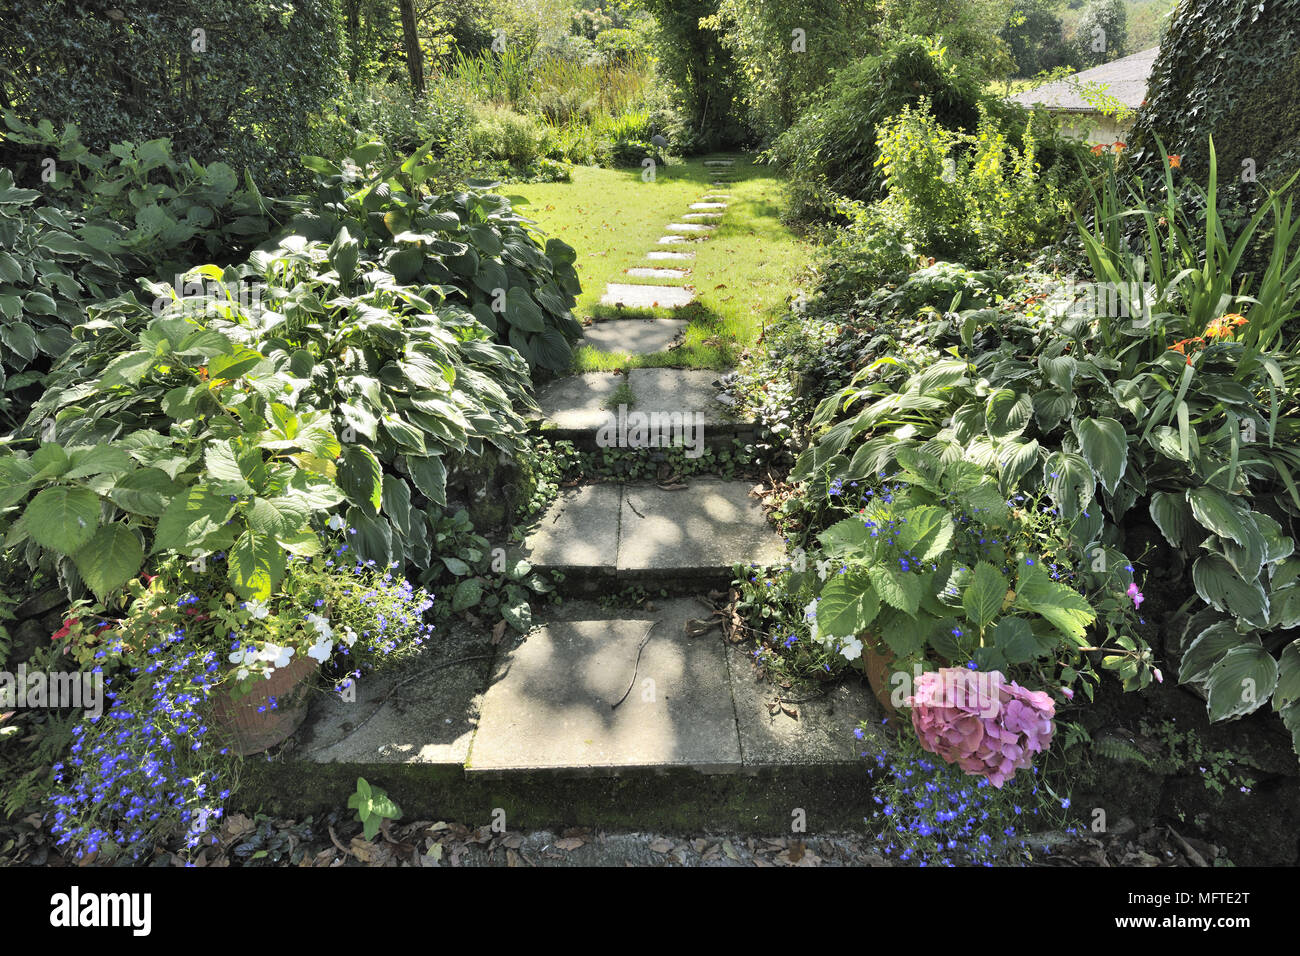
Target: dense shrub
x=975 y=197
x=832 y=150
x=103 y=221
x=241 y=92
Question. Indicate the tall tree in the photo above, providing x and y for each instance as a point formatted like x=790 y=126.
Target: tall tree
x=411 y=38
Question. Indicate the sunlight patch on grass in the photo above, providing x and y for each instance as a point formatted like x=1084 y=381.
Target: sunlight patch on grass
x=742 y=274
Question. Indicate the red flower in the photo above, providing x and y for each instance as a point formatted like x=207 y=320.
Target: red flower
x=65 y=630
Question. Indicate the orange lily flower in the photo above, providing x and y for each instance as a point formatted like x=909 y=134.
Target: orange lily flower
x=1176 y=161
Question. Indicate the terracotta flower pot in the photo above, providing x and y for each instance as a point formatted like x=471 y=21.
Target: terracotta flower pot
x=877 y=662
x=251 y=732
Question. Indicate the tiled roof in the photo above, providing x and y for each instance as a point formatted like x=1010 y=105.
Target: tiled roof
x=1125 y=79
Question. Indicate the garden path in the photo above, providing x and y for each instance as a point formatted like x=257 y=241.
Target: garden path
x=649 y=688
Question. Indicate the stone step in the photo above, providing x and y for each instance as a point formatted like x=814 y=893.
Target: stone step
x=647 y=296
x=688 y=537
x=469 y=729
x=575 y=407
x=634 y=336
x=689 y=227
x=716 y=196
x=660 y=272
x=719 y=162
x=702 y=215
x=676 y=240
x=708 y=205
x=659 y=255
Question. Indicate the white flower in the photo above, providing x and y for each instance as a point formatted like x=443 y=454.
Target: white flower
x=810 y=615
x=335 y=523
x=276 y=655
x=321 y=650
x=322 y=625
x=822 y=567
x=349 y=636
x=241 y=673
x=852 y=649
x=257 y=610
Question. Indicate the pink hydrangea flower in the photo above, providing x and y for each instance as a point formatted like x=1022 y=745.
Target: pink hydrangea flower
x=980 y=721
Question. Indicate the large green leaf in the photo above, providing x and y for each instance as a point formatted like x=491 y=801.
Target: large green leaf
x=1207 y=649
x=360 y=476
x=1240 y=682
x=1015 y=639
x=256 y=563
x=1105 y=446
x=191 y=520
x=1288 y=676
x=847 y=605
x=1067 y=610
x=109 y=559
x=898 y=589
x=1218 y=584
x=430 y=477
x=1070 y=483
x=1007 y=413
x=1226 y=518
x=62 y=519
x=985 y=594
x=1172 y=515
x=927 y=532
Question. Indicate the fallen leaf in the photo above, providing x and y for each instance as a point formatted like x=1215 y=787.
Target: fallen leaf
x=568 y=843
x=730 y=851
x=498 y=631
x=661 y=845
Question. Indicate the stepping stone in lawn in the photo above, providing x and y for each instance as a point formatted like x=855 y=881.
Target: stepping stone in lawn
x=671 y=240
x=708 y=205
x=716 y=196
x=689 y=227
x=719 y=162
x=702 y=215
x=659 y=255
x=551 y=704
x=647 y=296
x=634 y=336
x=659 y=273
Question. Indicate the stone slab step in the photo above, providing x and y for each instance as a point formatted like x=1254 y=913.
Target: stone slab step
x=673 y=240
x=719 y=162
x=658 y=255
x=715 y=197
x=708 y=205
x=702 y=215
x=660 y=272
x=608 y=535
x=689 y=227
x=576 y=407
x=634 y=336
x=646 y=296
x=458 y=733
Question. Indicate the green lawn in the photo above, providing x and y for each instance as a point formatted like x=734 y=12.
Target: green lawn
x=742 y=275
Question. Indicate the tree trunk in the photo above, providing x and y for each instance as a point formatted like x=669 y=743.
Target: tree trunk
x=414 y=57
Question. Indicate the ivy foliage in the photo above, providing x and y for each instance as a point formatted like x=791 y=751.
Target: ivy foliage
x=1230 y=70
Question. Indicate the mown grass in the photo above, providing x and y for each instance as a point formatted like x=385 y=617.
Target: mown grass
x=743 y=274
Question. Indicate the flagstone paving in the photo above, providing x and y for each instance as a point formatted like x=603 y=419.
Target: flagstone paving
x=660 y=272
x=647 y=296
x=659 y=255
x=634 y=336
